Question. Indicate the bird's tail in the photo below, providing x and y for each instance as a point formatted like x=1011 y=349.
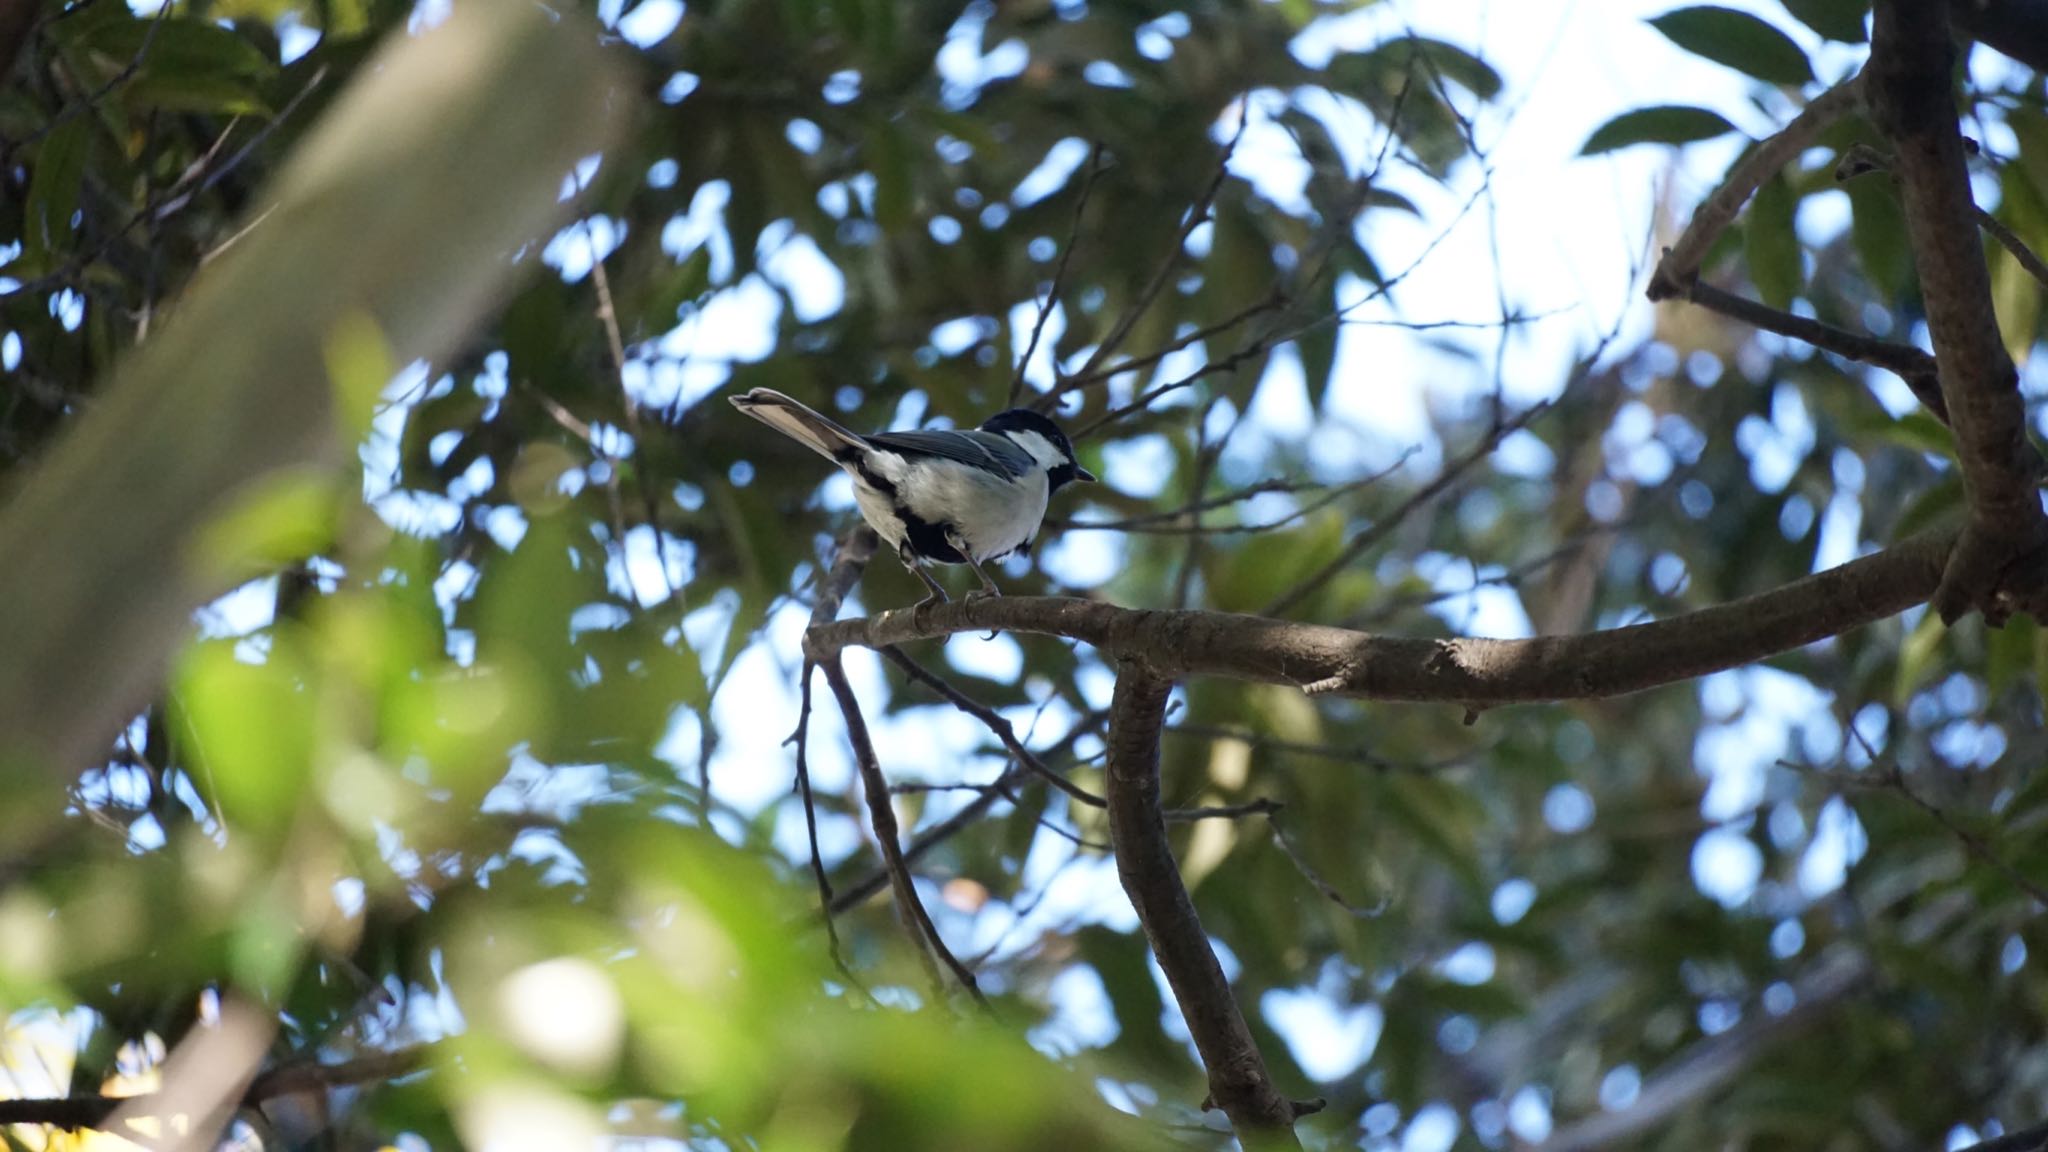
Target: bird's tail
x=798 y=422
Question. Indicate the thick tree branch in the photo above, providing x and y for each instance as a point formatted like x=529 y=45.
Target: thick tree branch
x=2004 y=545
x=1472 y=672
x=1238 y=1081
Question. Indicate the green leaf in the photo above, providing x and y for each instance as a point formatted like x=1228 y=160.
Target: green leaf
x=53 y=189
x=1916 y=656
x=1737 y=40
x=2009 y=653
x=179 y=47
x=1835 y=19
x=251 y=728
x=1454 y=64
x=1659 y=124
x=2016 y=303
x=197 y=92
x=1771 y=244
x=1878 y=229
x=183 y=65
x=1929 y=507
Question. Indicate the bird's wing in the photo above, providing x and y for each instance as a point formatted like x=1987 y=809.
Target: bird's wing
x=989 y=450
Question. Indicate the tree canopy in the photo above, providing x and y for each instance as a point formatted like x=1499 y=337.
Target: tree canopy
x=433 y=718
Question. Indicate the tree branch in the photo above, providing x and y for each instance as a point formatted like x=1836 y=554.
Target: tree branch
x=74 y=1112
x=1680 y=265
x=1473 y=672
x=1238 y=1081
x=1915 y=367
x=2005 y=541
x=883 y=815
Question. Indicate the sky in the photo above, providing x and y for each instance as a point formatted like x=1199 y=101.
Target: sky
x=1561 y=236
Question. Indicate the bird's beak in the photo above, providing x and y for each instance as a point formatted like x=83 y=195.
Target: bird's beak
x=1083 y=475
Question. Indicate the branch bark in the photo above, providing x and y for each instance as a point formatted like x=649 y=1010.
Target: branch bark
x=1238 y=1081
x=1680 y=265
x=1471 y=672
x=2001 y=560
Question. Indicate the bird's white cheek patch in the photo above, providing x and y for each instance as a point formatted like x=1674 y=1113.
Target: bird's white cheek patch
x=1040 y=448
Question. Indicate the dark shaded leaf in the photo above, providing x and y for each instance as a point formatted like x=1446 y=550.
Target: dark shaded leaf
x=1737 y=40
x=1662 y=124
x=1835 y=19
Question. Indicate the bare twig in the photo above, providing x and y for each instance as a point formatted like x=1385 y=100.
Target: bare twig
x=924 y=934
x=1908 y=363
x=1198 y=214
x=1059 y=273
x=1703 y=1070
x=997 y=724
x=76 y=1112
x=1364 y=541
x=801 y=738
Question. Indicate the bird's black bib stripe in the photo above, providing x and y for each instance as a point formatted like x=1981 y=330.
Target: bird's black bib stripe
x=926 y=539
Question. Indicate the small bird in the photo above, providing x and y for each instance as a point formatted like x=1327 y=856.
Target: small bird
x=947 y=497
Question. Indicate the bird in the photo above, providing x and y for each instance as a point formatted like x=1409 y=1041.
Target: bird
x=941 y=496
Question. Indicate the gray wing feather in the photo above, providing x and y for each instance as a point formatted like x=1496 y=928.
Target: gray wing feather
x=973 y=447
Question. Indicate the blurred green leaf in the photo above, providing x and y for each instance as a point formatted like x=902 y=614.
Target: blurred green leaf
x=1771 y=244
x=251 y=728
x=1878 y=229
x=54 y=184
x=1917 y=656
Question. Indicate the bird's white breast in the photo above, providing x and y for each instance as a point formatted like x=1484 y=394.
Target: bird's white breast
x=994 y=515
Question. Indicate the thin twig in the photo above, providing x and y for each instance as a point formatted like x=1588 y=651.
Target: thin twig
x=1059 y=272
x=76 y=1112
x=995 y=722
x=1908 y=363
x=881 y=813
x=1198 y=214
x=801 y=738
x=1384 y=526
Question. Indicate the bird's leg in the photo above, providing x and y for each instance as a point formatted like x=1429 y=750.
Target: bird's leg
x=988 y=586
x=917 y=569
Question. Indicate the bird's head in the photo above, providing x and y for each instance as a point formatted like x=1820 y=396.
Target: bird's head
x=1037 y=434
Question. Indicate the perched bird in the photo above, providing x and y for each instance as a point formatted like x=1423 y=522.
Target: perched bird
x=949 y=497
